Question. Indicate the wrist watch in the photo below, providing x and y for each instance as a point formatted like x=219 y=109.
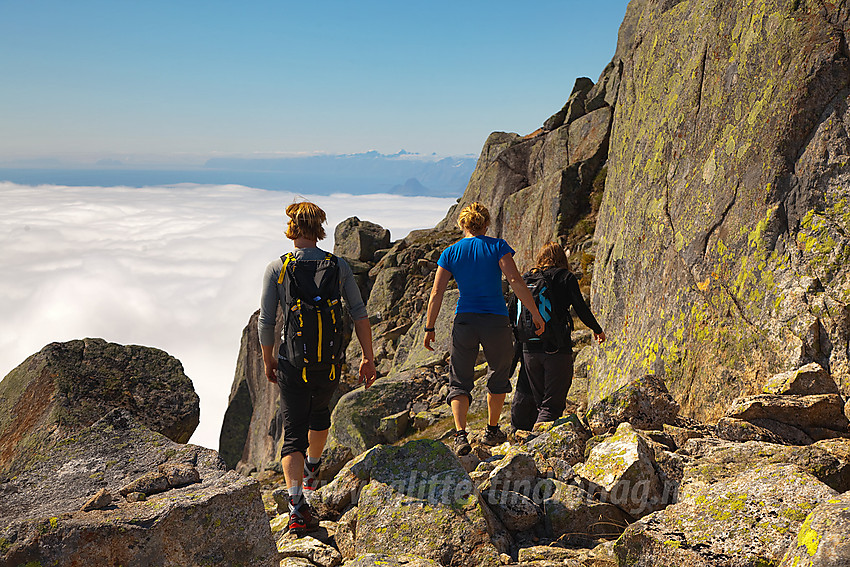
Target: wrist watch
x=430 y=329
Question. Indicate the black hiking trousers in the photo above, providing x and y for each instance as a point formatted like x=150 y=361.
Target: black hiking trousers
x=542 y=387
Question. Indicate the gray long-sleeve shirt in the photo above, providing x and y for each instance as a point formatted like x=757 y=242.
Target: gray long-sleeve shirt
x=273 y=292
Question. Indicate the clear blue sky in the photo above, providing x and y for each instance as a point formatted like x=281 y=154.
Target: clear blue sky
x=119 y=78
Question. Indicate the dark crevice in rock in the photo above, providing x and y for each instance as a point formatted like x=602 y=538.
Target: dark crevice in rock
x=701 y=77
x=719 y=222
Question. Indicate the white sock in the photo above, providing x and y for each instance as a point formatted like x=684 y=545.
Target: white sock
x=313 y=461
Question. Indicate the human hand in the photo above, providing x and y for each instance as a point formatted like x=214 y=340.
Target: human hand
x=430 y=336
x=539 y=324
x=600 y=337
x=270 y=368
x=367 y=372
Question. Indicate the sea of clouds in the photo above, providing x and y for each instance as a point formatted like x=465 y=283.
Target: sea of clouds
x=178 y=268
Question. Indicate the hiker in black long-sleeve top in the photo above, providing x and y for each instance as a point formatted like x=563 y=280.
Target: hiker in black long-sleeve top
x=547 y=370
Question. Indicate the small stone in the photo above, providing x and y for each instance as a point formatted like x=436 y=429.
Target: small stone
x=150 y=483
x=505 y=559
x=100 y=500
x=136 y=497
x=179 y=474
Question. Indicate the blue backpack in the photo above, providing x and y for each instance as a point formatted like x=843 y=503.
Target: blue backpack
x=557 y=317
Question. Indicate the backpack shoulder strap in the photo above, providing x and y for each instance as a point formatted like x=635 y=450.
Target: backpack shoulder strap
x=286 y=258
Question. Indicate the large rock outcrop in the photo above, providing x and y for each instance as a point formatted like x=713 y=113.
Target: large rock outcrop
x=66 y=387
x=251 y=430
x=540 y=187
x=216 y=518
x=723 y=241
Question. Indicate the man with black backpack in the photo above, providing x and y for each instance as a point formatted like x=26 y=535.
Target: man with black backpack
x=309 y=285
x=547 y=360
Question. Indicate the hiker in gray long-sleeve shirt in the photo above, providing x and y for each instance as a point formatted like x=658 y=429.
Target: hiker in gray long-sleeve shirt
x=306 y=387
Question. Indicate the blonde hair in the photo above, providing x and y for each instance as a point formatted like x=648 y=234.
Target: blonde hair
x=305 y=221
x=552 y=255
x=474 y=217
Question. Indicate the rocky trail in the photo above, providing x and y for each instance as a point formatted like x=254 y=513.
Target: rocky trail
x=701 y=185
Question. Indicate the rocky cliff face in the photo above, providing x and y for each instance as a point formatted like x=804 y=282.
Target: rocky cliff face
x=540 y=187
x=723 y=232
x=66 y=387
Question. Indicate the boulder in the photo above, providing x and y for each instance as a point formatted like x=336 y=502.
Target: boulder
x=311 y=549
x=806 y=380
x=645 y=403
x=822 y=540
x=828 y=461
x=359 y=240
x=740 y=430
x=346 y=530
x=516 y=511
x=393 y=427
x=820 y=416
x=680 y=435
x=384 y=560
x=516 y=471
x=251 y=431
x=573 y=516
x=623 y=466
x=749 y=519
x=66 y=387
x=550 y=554
x=416 y=499
x=219 y=520
x=357 y=415
x=565 y=442
x=604 y=92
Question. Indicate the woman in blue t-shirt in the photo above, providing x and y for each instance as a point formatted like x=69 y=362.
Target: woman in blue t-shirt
x=477 y=263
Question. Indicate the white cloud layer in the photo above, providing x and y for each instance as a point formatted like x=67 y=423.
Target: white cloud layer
x=177 y=268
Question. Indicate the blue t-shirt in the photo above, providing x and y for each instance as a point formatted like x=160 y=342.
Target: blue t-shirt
x=474 y=263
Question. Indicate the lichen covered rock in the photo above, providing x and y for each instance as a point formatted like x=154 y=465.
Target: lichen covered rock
x=623 y=466
x=565 y=441
x=66 y=387
x=750 y=519
x=824 y=537
x=644 y=403
x=722 y=235
x=219 y=520
x=417 y=499
x=574 y=516
x=357 y=415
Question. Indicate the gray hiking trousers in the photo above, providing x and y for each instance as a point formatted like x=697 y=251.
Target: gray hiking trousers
x=493 y=333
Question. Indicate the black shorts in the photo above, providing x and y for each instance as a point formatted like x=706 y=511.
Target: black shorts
x=304 y=404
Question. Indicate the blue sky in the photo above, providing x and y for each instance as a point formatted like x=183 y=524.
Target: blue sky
x=185 y=80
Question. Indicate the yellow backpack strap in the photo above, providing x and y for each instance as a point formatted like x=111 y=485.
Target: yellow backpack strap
x=290 y=257
x=304 y=373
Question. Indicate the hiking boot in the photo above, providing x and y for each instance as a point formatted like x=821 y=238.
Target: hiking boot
x=311 y=475
x=492 y=438
x=302 y=517
x=461 y=444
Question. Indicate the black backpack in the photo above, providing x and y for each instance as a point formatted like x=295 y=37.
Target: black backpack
x=312 y=334
x=558 y=320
